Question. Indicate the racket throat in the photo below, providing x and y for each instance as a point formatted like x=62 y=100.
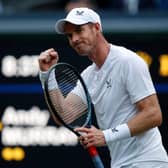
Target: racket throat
x=92 y=151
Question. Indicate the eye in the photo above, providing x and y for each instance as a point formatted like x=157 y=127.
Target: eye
x=69 y=36
x=78 y=29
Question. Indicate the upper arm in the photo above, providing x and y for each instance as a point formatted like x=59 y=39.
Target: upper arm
x=75 y=101
x=148 y=115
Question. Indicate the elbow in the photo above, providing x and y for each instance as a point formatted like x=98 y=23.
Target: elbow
x=160 y=120
x=157 y=118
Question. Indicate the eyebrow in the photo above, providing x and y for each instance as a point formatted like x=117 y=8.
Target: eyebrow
x=77 y=27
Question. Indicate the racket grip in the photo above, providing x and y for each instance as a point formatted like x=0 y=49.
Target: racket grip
x=95 y=157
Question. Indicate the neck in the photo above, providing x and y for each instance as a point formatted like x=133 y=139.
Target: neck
x=100 y=52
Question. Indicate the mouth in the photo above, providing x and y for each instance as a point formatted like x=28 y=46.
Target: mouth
x=80 y=49
x=78 y=45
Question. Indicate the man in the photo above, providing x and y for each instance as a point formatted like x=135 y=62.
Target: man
x=125 y=101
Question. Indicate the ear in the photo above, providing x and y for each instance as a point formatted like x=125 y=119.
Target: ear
x=98 y=27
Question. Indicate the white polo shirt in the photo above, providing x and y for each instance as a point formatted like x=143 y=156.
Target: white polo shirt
x=123 y=80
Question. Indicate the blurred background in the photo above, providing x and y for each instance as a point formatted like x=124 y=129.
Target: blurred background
x=29 y=137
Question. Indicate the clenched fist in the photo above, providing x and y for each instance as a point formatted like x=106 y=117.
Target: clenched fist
x=47 y=59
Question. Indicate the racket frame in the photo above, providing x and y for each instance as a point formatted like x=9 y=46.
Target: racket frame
x=51 y=106
x=91 y=150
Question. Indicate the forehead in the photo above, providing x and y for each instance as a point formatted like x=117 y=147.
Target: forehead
x=69 y=27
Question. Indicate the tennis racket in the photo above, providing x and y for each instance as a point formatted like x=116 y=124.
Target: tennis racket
x=69 y=109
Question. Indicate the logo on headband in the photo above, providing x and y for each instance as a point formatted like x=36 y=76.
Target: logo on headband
x=79 y=13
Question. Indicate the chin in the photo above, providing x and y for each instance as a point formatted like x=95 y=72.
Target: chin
x=82 y=53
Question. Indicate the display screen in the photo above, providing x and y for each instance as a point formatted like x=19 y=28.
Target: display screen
x=29 y=137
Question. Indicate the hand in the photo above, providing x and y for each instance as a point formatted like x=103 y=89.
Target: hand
x=47 y=59
x=91 y=136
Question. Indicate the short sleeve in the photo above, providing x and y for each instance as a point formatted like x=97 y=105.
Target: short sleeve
x=78 y=89
x=137 y=78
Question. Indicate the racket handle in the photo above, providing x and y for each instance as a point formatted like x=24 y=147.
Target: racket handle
x=95 y=157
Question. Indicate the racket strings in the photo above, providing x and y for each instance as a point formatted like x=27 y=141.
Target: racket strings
x=69 y=112
x=66 y=81
x=68 y=106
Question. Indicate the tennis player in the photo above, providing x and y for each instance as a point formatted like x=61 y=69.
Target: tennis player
x=125 y=100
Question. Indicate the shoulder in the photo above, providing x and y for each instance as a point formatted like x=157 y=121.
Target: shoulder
x=126 y=54
x=128 y=58
x=87 y=71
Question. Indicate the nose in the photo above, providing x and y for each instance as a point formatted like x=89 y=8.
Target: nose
x=74 y=38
